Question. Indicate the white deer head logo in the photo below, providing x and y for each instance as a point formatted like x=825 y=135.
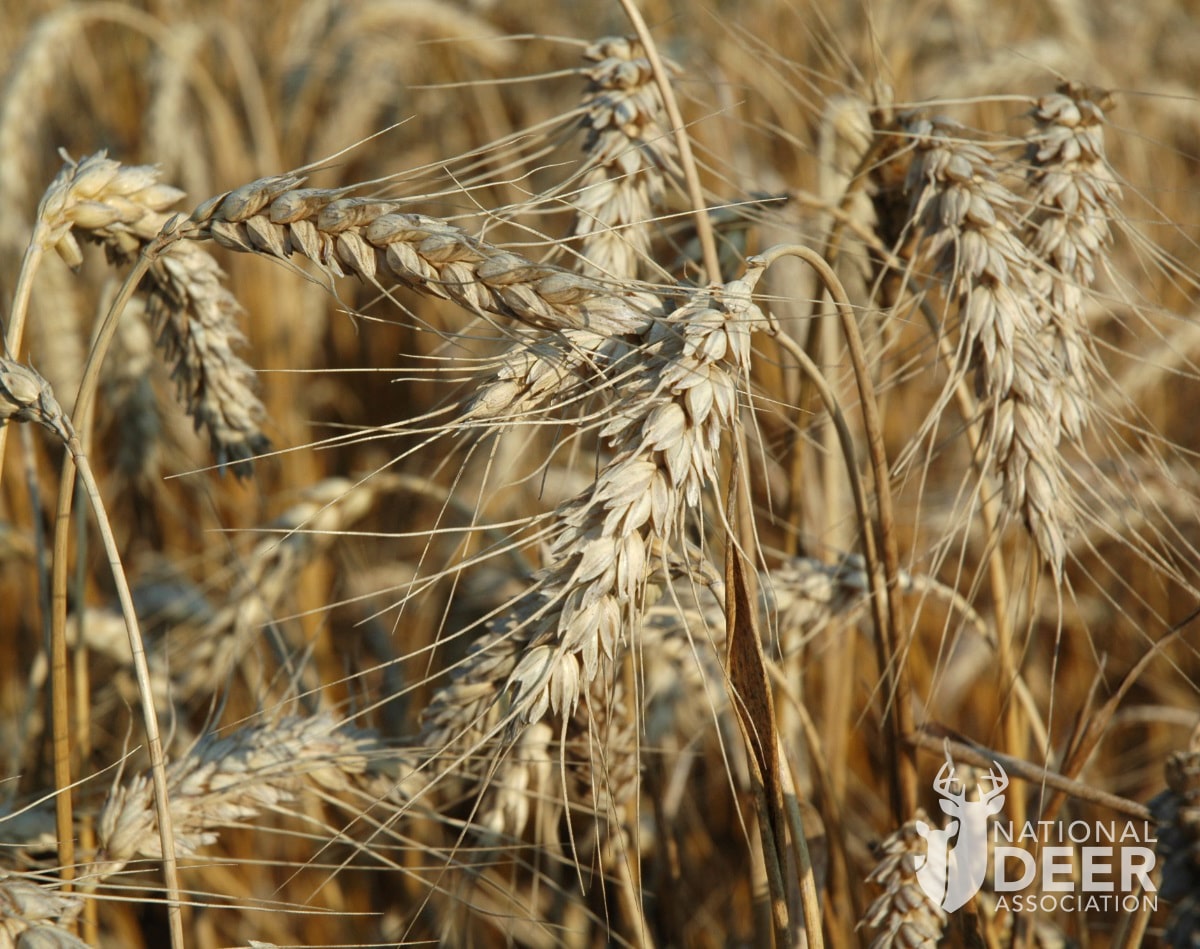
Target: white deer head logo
x=953 y=873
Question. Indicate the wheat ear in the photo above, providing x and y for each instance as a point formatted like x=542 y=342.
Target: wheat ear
x=629 y=152
x=123 y=208
x=902 y=916
x=1177 y=810
x=969 y=222
x=373 y=240
x=668 y=424
x=667 y=430
x=201 y=660
x=35 y=914
x=224 y=780
x=1073 y=195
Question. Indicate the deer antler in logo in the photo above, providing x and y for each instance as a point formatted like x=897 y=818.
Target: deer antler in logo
x=953 y=873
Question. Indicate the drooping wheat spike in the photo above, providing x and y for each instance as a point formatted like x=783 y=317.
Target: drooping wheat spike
x=902 y=915
x=667 y=430
x=523 y=786
x=668 y=423
x=630 y=152
x=1177 y=811
x=806 y=593
x=374 y=241
x=524 y=791
x=599 y=754
x=465 y=708
x=123 y=207
x=972 y=236
x=222 y=782
x=34 y=913
x=197 y=317
x=1073 y=195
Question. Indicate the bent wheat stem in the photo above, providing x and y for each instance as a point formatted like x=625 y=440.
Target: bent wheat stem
x=77 y=458
x=25 y=396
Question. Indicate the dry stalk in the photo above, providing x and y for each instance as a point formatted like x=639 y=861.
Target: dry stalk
x=990 y=514
x=893 y=638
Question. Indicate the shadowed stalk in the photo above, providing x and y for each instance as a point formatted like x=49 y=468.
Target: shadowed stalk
x=898 y=703
x=821 y=335
x=981 y=757
x=750 y=696
x=810 y=904
x=837 y=830
x=81 y=662
x=812 y=374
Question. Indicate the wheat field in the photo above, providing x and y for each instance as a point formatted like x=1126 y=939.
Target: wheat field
x=662 y=474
